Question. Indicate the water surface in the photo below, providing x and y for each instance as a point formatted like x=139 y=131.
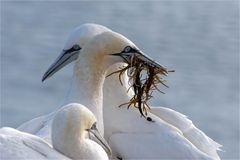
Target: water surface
x=197 y=39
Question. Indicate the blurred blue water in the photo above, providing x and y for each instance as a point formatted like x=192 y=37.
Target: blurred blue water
x=200 y=40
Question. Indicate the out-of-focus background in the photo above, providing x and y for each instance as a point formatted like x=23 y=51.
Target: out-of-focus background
x=200 y=40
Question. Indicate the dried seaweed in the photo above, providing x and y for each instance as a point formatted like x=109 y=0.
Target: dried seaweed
x=142 y=84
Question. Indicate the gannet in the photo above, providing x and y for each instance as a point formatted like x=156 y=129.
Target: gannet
x=71 y=128
x=41 y=126
x=126 y=123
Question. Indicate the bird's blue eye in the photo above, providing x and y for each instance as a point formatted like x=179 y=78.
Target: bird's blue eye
x=127 y=49
x=76 y=47
x=94 y=126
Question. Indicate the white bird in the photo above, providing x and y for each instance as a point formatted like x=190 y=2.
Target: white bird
x=41 y=126
x=115 y=95
x=126 y=130
x=70 y=127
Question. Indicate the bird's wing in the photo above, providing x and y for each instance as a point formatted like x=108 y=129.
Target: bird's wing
x=40 y=126
x=19 y=145
x=143 y=146
x=192 y=133
x=33 y=126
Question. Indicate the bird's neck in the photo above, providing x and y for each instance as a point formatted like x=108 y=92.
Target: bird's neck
x=72 y=146
x=115 y=94
x=116 y=89
x=87 y=89
x=83 y=148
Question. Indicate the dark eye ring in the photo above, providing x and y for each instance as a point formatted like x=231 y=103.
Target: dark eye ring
x=94 y=126
x=76 y=47
x=127 y=49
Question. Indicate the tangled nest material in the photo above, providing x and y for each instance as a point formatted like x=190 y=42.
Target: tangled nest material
x=143 y=86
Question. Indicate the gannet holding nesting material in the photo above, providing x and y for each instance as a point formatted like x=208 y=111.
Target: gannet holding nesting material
x=127 y=124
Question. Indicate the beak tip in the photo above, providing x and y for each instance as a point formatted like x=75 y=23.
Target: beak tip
x=44 y=78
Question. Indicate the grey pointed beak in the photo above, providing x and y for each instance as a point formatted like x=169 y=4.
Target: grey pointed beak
x=66 y=57
x=100 y=140
x=144 y=58
x=147 y=60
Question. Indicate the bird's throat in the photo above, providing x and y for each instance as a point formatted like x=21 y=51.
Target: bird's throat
x=87 y=89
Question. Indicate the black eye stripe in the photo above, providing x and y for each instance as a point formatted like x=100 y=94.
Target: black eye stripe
x=74 y=48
